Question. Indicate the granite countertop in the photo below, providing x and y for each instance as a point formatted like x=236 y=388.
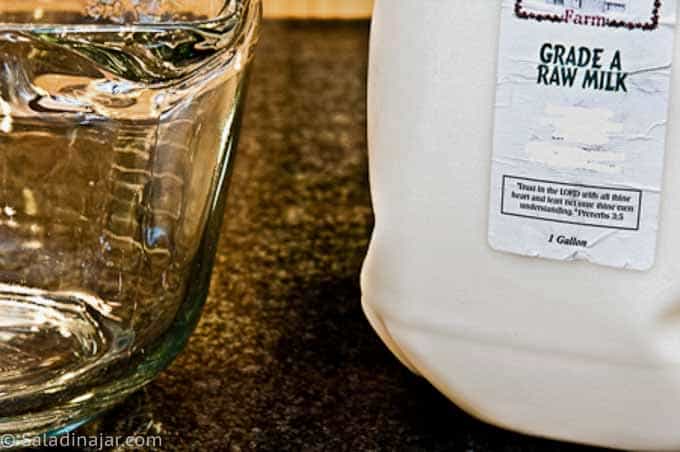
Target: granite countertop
x=283 y=358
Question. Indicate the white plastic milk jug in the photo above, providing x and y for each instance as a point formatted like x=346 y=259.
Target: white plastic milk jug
x=525 y=172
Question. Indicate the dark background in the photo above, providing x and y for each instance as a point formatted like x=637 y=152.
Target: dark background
x=283 y=358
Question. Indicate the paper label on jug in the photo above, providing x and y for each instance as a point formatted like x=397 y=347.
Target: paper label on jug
x=580 y=129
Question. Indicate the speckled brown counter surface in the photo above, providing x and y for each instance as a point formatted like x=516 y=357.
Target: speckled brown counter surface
x=283 y=358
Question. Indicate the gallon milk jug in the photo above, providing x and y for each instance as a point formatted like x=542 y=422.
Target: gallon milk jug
x=525 y=172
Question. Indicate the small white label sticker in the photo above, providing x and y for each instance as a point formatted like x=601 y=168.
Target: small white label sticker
x=580 y=128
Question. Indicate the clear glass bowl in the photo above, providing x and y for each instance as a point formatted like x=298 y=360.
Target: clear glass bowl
x=118 y=125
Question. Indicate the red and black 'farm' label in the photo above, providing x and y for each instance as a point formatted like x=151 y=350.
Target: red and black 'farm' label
x=574 y=13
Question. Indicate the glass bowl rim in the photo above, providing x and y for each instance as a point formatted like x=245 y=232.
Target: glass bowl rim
x=142 y=26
